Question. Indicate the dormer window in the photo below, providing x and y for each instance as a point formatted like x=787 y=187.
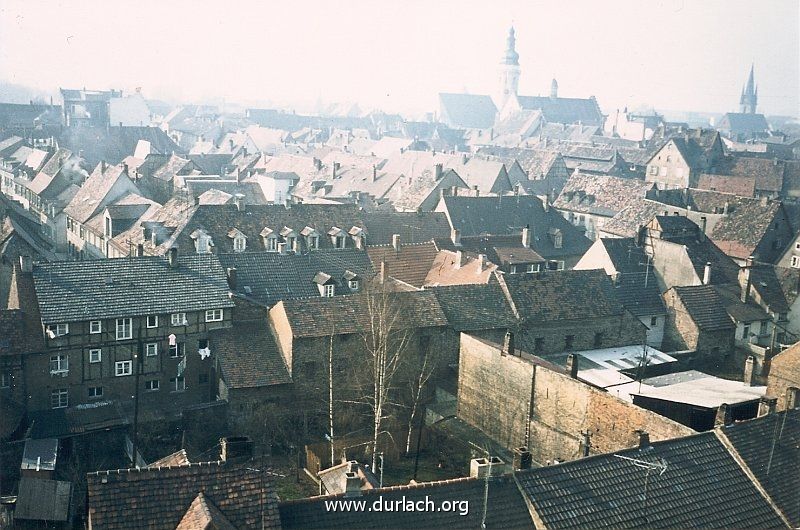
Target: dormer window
x=312 y=238
x=328 y=290
x=290 y=237
x=353 y=285
x=202 y=241
x=325 y=283
x=338 y=237
x=239 y=240
x=270 y=240
x=352 y=279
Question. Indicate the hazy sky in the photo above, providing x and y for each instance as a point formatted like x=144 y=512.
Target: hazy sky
x=397 y=55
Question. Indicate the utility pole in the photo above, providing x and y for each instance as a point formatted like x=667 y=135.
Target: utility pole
x=137 y=356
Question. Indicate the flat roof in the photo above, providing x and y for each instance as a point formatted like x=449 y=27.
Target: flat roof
x=707 y=392
x=40 y=455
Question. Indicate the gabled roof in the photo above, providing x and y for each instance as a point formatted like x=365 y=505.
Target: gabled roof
x=71 y=291
x=248 y=356
x=564 y=110
x=599 y=194
x=689 y=482
x=564 y=295
x=506 y=215
x=91 y=196
x=203 y=515
x=319 y=317
x=704 y=307
x=505 y=507
x=743 y=123
x=413 y=227
x=770 y=448
x=475 y=307
x=694 y=144
x=268 y=277
x=467 y=111
x=113 y=144
x=160 y=497
x=410 y=263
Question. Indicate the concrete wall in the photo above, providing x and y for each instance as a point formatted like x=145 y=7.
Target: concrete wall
x=495 y=396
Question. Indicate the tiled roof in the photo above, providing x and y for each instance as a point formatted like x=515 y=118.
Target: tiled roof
x=178 y=458
x=159 y=498
x=318 y=317
x=203 y=515
x=43 y=500
x=564 y=295
x=564 y=110
x=113 y=144
x=691 y=482
x=334 y=478
x=747 y=224
x=173 y=165
x=626 y=222
x=475 y=307
x=475 y=216
x=409 y=197
x=409 y=264
x=739 y=311
x=450 y=268
x=467 y=111
x=252 y=191
x=535 y=162
x=705 y=307
x=268 y=277
x=694 y=144
x=92 y=194
x=599 y=194
x=742 y=186
x=211 y=164
x=413 y=227
x=505 y=507
x=770 y=447
x=743 y=123
x=71 y=291
x=249 y=357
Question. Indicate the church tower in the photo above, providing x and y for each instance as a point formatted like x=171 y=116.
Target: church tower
x=749 y=99
x=509 y=70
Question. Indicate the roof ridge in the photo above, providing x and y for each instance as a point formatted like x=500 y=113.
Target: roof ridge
x=399 y=487
x=128 y=470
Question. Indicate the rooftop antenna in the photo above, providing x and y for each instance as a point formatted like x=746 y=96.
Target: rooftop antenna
x=649 y=467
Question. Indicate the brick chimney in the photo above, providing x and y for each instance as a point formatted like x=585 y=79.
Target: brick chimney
x=644 y=438
x=352 y=485
x=235 y=448
x=572 y=365
x=26 y=264
x=724 y=416
x=140 y=249
x=767 y=405
x=172 y=257
x=522 y=458
x=749 y=370
x=438 y=170
x=455 y=236
x=744 y=280
x=230 y=272
x=508 y=344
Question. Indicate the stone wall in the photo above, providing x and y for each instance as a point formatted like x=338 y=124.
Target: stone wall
x=784 y=374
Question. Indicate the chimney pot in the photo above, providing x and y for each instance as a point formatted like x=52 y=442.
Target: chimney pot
x=140 y=249
x=522 y=458
x=455 y=236
x=352 y=484
x=231 y=274
x=767 y=405
x=749 y=370
x=172 y=257
x=238 y=199
x=508 y=344
x=724 y=416
x=644 y=438
x=457 y=260
x=396 y=241
x=707 y=274
x=526 y=237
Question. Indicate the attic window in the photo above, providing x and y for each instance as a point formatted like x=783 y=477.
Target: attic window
x=313 y=242
x=239 y=243
x=328 y=290
x=353 y=284
x=271 y=243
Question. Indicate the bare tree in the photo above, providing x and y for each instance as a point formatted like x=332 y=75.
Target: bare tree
x=385 y=341
x=330 y=397
x=424 y=370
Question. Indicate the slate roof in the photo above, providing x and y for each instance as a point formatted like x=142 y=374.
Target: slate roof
x=627 y=221
x=252 y=191
x=159 y=498
x=701 y=487
x=770 y=447
x=410 y=264
x=564 y=110
x=507 y=215
x=768 y=282
x=564 y=295
x=475 y=307
x=704 y=307
x=505 y=508
x=317 y=317
x=413 y=227
x=210 y=164
x=747 y=224
x=742 y=186
x=502 y=250
x=467 y=111
x=71 y=291
x=535 y=162
x=272 y=277
x=739 y=311
x=599 y=194
x=92 y=194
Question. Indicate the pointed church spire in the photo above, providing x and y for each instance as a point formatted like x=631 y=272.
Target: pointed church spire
x=749 y=98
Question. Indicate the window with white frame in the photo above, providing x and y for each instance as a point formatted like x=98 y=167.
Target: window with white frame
x=123 y=368
x=177 y=384
x=328 y=290
x=124 y=328
x=177 y=350
x=512 y=269
x=95 y=355
x=291 y=243
x=353 y=284
x=339 y=241
x=59 y=398
x=532 y=267
x=178 y=319
x=95 y=326
x=59 y=364
x=152 y=349
x=313 y=242
x=152 y=321
x=213 y=315
x=57 y=330
x=239 y=244
x=152 y=385
x=271 y=244
x=95 y=391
